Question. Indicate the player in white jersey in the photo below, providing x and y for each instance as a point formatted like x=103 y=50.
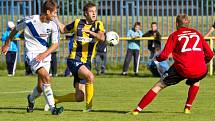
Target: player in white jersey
x=37 y=30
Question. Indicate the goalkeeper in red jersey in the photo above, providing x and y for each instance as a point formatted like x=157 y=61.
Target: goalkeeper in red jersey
x=191 y=53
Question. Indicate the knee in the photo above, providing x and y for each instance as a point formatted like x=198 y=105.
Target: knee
x=46 y=79
x=158 y=86
x=196 y=84
x=90 y=78
x=80 y=96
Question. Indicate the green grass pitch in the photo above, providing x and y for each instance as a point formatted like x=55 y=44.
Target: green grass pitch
x=115 y=95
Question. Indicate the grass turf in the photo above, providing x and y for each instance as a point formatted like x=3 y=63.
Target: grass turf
x=115 y=95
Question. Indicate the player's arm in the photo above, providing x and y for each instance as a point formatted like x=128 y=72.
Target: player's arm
x=158 y=36
x=64 y=28
x=60 y=25
x=43 y=55
x=5 y=47
x=100 y=35
x=55 y=37
x=170 y=45
x=147 y=34
x=210 y=30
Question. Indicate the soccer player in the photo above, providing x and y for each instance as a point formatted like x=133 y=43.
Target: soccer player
x=87 y=33
x=191 y=53
x=37 y=29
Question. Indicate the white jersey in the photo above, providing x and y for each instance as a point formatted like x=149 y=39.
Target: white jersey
x=37 y=34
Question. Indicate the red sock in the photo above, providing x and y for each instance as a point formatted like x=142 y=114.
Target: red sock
x=193 y=90
x=145 y=100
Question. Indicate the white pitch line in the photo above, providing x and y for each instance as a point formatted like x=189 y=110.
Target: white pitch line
x=15 y=92
x=19 y=92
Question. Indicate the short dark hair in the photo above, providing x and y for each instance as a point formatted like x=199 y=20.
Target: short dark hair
x=88 y=5
x=154 y=23
x=48 y=5
x=137 y=24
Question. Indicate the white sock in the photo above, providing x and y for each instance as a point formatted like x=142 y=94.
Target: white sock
x=47 y=92
x=35 y=94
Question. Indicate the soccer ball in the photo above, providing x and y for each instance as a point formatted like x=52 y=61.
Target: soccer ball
x=112 y=38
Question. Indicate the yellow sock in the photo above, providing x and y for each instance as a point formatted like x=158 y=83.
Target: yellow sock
x=89 y=95
x=65 y=98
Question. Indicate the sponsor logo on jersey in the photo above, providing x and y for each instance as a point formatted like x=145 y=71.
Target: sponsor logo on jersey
x=84 y=39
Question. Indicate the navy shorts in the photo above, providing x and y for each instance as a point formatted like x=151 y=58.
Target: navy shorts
x=74 y=66
x=172 y=77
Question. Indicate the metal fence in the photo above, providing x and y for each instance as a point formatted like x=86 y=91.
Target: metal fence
x=117 y=15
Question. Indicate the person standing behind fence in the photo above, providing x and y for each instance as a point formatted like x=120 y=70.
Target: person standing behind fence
x=101 y=54
x=11 y=56
x=152 y=44
x=133 y=49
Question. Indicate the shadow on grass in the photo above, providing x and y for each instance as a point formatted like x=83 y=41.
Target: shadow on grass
x=120 y=112
x=18 y=108
x=12 y=110
x=119 y=75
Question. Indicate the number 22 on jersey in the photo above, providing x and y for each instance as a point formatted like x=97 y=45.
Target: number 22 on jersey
x=187 y=39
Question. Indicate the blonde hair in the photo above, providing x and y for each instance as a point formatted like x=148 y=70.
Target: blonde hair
x=182 y=20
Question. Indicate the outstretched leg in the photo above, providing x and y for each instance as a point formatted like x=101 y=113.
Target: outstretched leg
x=78 y=96
x=148 y=98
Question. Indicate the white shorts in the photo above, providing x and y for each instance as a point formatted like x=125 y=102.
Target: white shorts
x=35 y=65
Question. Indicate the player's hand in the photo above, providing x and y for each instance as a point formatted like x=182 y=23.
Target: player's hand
x=135 y=37
x=40 y=57
x=4 y=49
x=154 y=58
x=86 y=31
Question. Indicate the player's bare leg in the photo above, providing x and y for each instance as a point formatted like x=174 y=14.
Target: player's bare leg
x=193 y=90
x=85 y=73
x=152 y=93
x=81 y=90
x=37 y=92
x=78 y=96
x=47 y=91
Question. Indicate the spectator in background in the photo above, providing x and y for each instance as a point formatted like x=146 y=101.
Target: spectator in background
x=11 y=56
x=152 y=44
x=101 y=54
x=133 y=49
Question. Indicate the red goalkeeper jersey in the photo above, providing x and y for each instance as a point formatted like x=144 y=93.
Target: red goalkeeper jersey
x=190 y=52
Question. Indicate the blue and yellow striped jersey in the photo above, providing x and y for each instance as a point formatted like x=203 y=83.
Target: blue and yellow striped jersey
x=83 y=46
